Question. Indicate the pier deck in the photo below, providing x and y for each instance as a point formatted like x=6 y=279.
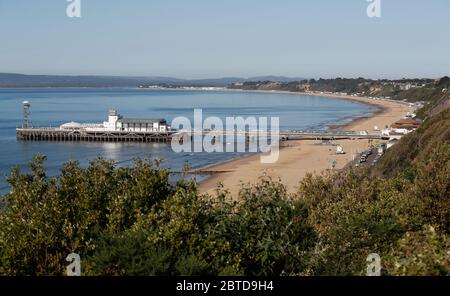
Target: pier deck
x=55 y=134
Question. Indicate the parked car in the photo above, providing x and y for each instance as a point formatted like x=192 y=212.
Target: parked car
x=368 y=152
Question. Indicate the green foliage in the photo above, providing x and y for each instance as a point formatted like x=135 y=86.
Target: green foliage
x=130 y=221
x=432 y=186
x=355 y=216
x=266 y=233
x=424 y=252
x=128 y=254
x=46 y=218
x=270 y=231
x=410 y=90
x=192 y=265
x=362 y=216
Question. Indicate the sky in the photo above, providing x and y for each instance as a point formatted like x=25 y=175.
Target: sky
x=233 y=38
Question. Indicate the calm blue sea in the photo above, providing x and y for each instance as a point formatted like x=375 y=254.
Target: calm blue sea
x=54 y=106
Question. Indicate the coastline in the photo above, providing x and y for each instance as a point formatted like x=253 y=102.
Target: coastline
x=300 y=157
x=379 y=108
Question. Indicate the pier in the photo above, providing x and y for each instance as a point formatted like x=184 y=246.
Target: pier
x=55 y=134
x=328 y=135
x=115 y=129
x=119 y=129
x=284 y=135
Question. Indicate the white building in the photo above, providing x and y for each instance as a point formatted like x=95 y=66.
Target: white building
x=117 y=123
x=72 y=126
x=113 y=119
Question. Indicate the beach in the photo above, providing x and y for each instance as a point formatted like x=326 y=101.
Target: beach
x=300 y=157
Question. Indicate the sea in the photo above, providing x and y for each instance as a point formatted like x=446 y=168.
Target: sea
x=51 y=107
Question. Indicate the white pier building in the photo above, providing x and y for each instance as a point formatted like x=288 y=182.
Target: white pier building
x=116 y=123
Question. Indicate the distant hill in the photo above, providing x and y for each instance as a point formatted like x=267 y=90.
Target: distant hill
x=275 y=78
x=410 y=90
x=22 y=80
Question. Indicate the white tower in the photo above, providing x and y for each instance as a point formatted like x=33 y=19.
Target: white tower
x=113 y=117
x=26 y=114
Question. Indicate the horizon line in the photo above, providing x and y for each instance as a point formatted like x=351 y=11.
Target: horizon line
x=225 y=77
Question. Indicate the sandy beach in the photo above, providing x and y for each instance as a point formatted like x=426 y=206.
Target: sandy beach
x=297 y=158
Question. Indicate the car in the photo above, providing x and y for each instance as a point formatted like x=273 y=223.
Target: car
x=368 y=152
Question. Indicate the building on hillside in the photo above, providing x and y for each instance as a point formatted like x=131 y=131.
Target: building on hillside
x=406 y=125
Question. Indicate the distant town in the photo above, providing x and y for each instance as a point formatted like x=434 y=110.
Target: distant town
x=415 y=91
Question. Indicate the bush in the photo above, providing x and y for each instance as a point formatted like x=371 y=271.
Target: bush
x=130 y=221
x=424 y=252
x=48 y=218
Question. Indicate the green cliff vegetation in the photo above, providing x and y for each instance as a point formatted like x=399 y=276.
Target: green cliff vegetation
x=131 y=221
x=410 y=90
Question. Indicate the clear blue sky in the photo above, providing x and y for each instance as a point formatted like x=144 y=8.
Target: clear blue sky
x=216 y=38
